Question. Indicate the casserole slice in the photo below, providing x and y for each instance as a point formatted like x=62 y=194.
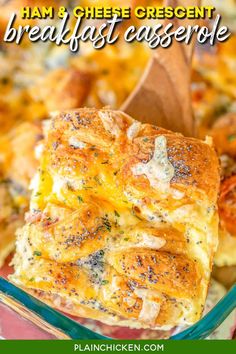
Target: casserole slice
x=123 y=223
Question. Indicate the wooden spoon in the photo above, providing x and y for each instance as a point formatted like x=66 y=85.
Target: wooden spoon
x=162 y=96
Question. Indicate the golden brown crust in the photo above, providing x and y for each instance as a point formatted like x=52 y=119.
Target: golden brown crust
x=158 y=270
x=184 y=154
x=124 y=216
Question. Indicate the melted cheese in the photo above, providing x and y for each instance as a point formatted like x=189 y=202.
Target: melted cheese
x=158 y=170
x=35 y=181
x=149 y=312
x=38 y=151
x=109 y=123
x=150 y=241
x=75 y=143
x=150 y=309
x=133 y=130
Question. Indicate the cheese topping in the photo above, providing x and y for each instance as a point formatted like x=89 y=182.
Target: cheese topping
x=76 y=144
x=38 y=151
x=208 y=140
x=150 y=309
x=150 y=241
x=58 y=186
x=149 y=312
x=34 y=183
x=133 y=130
x=109 y=123
x=158 y=170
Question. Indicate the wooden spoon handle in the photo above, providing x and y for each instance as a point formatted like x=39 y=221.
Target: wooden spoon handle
x=162 y=96
x=188 y=49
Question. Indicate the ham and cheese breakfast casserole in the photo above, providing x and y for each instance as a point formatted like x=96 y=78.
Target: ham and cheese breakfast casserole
x=214 y=102
x=123 y=221
x=224 y=136
x=18 y=165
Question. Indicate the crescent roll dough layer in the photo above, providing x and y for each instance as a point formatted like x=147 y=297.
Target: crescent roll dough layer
x=123 y=222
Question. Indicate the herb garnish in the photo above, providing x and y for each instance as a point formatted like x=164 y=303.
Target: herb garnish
x=116 y=213
x=80 y=199
x=231 y=137
x=106 y=223
x=96 y=178
x=37 y=253
x=104 y=282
